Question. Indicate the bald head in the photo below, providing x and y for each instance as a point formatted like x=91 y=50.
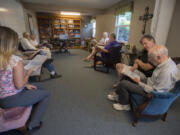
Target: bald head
x=158 y=54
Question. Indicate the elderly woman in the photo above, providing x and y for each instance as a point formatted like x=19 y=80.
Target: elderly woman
x=104 y=40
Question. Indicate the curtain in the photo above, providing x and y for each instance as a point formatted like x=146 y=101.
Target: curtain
x=124 y=8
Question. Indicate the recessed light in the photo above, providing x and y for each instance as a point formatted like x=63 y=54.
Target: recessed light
x=70 y=13
x=3 y=9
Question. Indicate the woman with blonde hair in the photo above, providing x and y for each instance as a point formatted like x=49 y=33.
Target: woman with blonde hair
x=14 y=88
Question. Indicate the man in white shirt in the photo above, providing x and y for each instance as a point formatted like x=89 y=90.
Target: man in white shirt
x=162 y=80
x=25 y=42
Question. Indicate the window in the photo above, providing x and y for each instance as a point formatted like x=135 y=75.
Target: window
x=123 y=26
x=94 y=29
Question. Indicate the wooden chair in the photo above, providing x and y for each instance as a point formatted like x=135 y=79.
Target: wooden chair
x=112 y=58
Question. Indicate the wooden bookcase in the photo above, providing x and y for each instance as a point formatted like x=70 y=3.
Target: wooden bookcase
x=52 y=27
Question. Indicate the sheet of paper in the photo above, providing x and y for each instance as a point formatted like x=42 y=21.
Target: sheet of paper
x=36 y=63
x=127 y=71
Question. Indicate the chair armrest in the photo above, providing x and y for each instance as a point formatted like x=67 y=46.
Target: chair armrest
x=162 y=94
x=142 y=106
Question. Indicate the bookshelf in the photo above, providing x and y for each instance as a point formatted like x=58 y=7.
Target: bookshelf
x=52 y=27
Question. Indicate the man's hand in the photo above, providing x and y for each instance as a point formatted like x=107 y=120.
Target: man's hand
x=30 y=87
x=135 y=66
x=136 y=80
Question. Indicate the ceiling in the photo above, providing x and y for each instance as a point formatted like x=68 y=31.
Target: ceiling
x=83 y=6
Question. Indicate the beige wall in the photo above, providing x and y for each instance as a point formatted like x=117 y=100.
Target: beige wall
x=35 y=25
x=173 y=40
x=137 y=25
x=16 y=16
x=106 y=22
x=13 y=17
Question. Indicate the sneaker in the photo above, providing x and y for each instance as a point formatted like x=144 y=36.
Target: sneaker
x=112 y=97
x=116 y=85
x=55 y=76
x=120 y=107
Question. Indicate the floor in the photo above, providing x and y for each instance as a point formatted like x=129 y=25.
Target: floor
x=78 y=104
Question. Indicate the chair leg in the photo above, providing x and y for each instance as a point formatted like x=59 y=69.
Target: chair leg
x=164 y=117
x=23 y=129
x=39 y=78
x=136 y=118
x=107 y=70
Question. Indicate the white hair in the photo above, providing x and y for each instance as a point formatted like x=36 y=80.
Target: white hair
x=105 y=33
x=158 y=50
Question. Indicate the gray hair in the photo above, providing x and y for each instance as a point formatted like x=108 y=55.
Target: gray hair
x=159 y=50
x=105 y=33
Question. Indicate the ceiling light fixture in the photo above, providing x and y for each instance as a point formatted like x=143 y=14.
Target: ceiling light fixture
x=70 y=13
x=3 y=9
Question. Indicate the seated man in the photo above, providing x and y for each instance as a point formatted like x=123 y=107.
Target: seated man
x=141 y=64
x=162 y=80
x=104 y=50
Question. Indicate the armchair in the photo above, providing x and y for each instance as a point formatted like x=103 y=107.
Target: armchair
x=156 y=104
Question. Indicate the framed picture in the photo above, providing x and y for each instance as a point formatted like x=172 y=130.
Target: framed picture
x=30 y=21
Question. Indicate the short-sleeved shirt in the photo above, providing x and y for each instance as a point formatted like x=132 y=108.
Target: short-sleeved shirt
x=144 y=58
x=7 y=87
x=107 y=47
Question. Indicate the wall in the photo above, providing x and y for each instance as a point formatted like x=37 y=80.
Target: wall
x=173 y=40
x=106 y=22
x=137 y=25
x=13 y=17
x=16 y=17
x=34 y=19
x=164 y=17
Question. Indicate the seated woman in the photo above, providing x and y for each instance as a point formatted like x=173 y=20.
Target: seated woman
x=104 y=50
x=14 y=88
x=102 y=42
x=36 y=44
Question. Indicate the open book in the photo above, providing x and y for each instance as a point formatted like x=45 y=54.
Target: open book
x=36 y=63
x=127 y=71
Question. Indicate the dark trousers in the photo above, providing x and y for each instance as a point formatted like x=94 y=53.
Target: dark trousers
x=38 y=98
x=125 y=88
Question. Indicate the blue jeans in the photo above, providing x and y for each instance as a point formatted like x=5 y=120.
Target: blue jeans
x=49 y=67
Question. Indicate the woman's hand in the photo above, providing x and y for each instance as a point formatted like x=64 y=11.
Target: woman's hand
x=30 y=87
x=29 y=71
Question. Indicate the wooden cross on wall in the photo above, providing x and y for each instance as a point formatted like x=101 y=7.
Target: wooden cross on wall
x=146 y=17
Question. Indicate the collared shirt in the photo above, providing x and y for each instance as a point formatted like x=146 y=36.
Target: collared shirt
x=163 y=78
x=27 y=45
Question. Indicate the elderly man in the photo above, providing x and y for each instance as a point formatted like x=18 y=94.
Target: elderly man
x=142 y=63
x=28 y=45
x=162 y=80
